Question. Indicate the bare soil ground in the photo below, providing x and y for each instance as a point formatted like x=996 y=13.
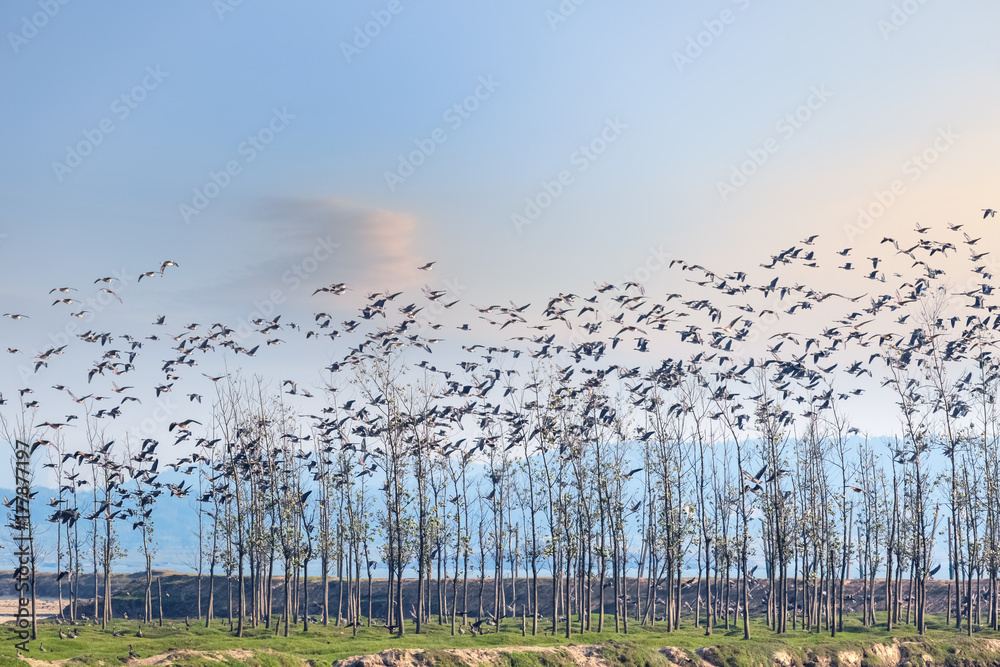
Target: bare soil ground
x=169 y=658
x=44 y=608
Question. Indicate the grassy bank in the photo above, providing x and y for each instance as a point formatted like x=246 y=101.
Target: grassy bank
x=322 y=645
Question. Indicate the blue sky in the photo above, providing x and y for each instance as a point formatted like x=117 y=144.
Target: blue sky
x=623 y=135
x=560 y=81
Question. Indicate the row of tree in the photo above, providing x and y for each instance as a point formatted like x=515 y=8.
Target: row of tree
x=642 y=492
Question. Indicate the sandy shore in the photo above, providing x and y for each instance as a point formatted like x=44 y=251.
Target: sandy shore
x=44 y=608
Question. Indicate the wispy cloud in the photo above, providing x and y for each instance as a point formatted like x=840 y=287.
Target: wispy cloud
x=375 y=247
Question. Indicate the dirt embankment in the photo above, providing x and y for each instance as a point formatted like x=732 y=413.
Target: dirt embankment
x=588 y=656
x=895 y=654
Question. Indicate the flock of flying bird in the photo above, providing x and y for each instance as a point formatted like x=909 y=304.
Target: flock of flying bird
x=730 y=323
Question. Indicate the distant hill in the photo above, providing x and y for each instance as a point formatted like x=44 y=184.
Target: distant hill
x=181 y=594
x=173 y=523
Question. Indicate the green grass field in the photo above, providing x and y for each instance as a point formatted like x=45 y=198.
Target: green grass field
x=322 y=645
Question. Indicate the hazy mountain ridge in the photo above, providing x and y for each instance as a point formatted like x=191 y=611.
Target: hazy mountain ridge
x=174 y=520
